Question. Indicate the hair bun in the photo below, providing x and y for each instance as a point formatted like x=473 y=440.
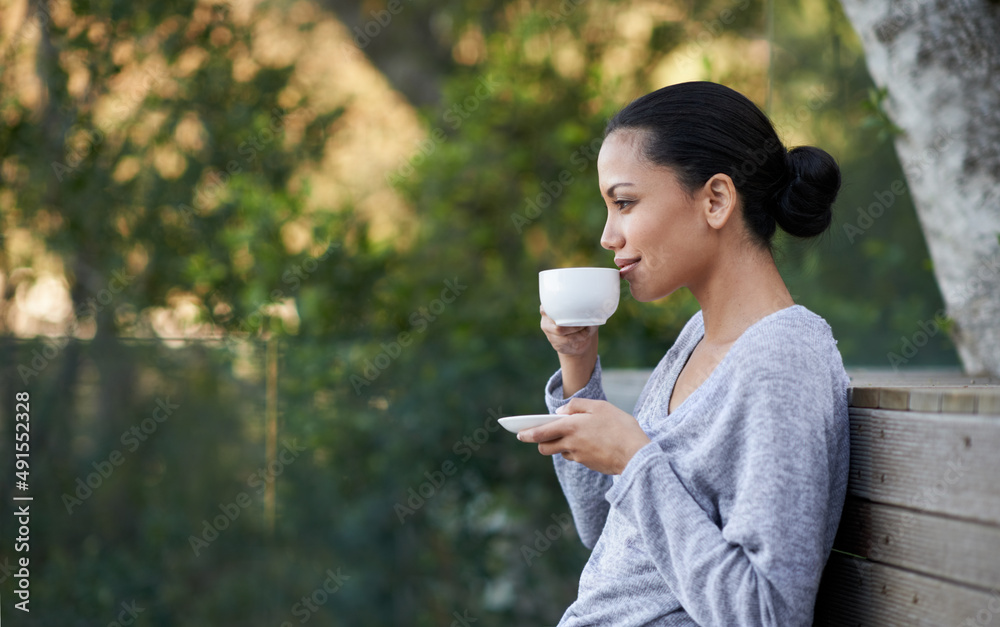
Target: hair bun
x=805 y=206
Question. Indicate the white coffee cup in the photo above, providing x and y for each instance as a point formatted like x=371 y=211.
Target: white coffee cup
x=579 y=297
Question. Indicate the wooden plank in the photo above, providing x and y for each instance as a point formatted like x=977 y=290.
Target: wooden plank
x=961 y=551
x=859 y=593
x=926 y=388
x=989 y=403
x=943 y=463
x=918 y=377
x=960 y=401
x=925 y=399
x=863 y=397
x=894 y=398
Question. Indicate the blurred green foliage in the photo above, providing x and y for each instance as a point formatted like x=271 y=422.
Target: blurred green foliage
x=403 y=356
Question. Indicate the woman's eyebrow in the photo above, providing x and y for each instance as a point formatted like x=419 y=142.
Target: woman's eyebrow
x=611 y=190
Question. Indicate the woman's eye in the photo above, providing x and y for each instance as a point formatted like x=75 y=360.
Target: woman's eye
x=623 y=204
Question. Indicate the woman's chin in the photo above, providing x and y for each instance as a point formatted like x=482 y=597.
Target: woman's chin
x=646 y=296
x=638 y=293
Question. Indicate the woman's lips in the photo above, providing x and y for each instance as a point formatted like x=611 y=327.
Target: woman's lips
x=625 y=266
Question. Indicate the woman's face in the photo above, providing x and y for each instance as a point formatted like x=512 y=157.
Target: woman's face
x=657 y=230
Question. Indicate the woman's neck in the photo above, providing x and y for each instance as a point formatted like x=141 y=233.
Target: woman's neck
x=740 y=290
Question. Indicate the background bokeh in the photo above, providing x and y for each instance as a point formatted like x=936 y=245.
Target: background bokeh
x=311 y=231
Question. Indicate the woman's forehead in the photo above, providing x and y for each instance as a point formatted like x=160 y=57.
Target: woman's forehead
x=623 y=155
x=621 y=149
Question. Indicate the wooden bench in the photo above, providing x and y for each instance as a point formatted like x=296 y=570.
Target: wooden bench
x=919 y=540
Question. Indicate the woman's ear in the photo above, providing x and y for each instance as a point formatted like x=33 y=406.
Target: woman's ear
x=721 y=199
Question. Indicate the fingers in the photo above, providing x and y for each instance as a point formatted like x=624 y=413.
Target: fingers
x=554 y=448
x=570 y=341
x=557 y=428
x=547 y=321
x=546 y=433
x=578 y=406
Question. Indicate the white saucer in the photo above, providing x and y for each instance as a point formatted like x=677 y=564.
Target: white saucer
x=520 y=423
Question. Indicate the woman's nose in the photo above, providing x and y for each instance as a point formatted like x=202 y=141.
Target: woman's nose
x=611 y=238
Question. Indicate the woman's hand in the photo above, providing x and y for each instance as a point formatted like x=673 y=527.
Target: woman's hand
x=594 y=433
x=577 y=349
x=568 y=341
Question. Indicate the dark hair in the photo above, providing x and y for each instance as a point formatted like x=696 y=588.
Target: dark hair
x=700 y=129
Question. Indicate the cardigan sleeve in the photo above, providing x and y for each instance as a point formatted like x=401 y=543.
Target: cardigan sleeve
x=758 y=560
x=584 y=488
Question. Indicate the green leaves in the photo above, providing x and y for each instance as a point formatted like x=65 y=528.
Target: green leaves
x=878 y=118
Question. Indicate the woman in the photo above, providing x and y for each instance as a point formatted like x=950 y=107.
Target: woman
x=717 y=503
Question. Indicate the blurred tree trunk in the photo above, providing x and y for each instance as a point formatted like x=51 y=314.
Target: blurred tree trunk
x=940 y=64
